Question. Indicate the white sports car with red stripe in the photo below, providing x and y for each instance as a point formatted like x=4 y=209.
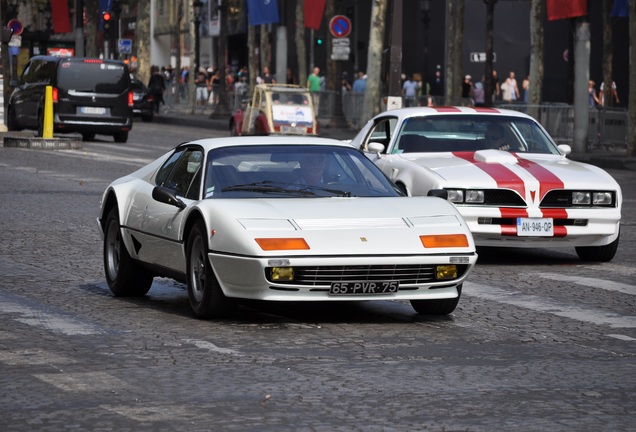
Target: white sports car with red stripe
x=512 y=183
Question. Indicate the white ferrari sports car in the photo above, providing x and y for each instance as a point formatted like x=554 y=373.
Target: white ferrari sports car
x=280 y=218
x=514 y=186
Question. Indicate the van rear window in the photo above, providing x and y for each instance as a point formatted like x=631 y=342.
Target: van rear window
x=93 y=77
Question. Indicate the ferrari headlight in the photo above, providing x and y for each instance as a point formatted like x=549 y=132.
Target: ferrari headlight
x=445 y=272
x=456 y=195
x=280 y=274
x=602 y=198
x=475 y=196
x=581 y=198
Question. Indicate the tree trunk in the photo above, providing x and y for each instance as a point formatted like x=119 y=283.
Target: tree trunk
x=489 y=90
x=253 y=55
x=631 y=130
x=607 y=54
x=301 y=49
x=537 y=15
x=374 y=59
x=142 y=40
x=332 y=78
x=91 y=29
x=176 y=40
x=458 y=63
x=451 y=28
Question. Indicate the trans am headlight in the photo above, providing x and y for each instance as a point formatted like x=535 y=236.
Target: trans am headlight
x=469 y=196
x=456 y=195
x=588 y=198
x=475 y=196
x=602 y=198
x=581 y=198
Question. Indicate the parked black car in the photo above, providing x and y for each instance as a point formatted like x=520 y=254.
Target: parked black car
x=142 y=101
x=90 y=96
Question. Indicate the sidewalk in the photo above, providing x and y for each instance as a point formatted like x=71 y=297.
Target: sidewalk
x=177 y=114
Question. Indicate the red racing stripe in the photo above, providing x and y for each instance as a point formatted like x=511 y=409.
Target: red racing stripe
x=445 y=109
x=547 y=180
x=505 y=178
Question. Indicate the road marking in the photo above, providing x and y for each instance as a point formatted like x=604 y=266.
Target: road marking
x=590 y=282
x=621 y=337
x=48 y=321
x=83 y=381
x=210 y=347
x=32 y=357
x=539 y=304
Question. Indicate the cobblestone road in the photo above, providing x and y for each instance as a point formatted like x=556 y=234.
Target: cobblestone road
x=540 y=341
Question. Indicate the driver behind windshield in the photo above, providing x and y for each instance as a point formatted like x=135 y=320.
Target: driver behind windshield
x=312 y=168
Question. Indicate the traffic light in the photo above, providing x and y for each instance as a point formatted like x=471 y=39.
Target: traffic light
x=107 y=18
x=319 y=41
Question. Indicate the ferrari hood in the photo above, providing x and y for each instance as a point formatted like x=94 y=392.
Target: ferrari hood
x=375 y=226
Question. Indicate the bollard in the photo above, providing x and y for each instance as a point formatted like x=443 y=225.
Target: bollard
x=47 y=131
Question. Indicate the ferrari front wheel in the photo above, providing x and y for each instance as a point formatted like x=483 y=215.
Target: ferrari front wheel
x=437 y=307
x=125 y=277
x=206 y=296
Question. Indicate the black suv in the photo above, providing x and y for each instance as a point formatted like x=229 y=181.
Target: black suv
x=90 y=96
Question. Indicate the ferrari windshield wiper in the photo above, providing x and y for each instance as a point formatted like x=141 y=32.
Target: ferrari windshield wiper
x=267 y=187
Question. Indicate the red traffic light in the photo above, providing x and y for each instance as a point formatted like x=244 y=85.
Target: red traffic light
x=106 y=16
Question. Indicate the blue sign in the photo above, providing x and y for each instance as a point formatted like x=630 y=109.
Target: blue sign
x=125 y=46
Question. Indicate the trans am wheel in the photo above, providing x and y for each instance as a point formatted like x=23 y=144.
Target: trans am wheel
x=206 y=297
x=125 y=277
x=437 y=307
x=598 y=253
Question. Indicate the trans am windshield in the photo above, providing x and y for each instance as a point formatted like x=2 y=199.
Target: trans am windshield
x=293 y=171
x=448 y=133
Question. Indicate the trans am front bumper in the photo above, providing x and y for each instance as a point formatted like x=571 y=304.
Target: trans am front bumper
x=571 y=227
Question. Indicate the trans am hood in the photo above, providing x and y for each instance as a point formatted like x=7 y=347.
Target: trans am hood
x=333 y=226
x=517 y=171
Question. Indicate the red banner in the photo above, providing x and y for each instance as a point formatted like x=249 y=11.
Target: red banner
x=61 y=16
x=314 y=11
x=560 y=9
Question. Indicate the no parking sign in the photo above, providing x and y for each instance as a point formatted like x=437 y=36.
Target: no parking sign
x=340 y=26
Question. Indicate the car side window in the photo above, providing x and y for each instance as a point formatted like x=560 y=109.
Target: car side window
x=382 y=132
x=182 y=179
x=168 y=165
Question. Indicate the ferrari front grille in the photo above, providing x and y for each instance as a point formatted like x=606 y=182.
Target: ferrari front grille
x=404 y=273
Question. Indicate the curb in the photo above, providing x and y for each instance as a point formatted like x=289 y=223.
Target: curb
x=43 y=143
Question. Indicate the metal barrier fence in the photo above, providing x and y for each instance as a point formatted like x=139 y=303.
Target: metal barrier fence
x=607 y=128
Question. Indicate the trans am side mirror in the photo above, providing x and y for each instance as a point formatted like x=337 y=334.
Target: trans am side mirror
x=564 y=149
x=376 y=147
x=167 y=196
x=439 y=193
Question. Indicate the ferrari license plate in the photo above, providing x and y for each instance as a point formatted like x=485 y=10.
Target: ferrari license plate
x=535 y=227
x=364 y=288
x=93 y=110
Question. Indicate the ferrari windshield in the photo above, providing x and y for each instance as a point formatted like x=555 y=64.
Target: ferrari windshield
x=293 y=171
x=443 y=133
